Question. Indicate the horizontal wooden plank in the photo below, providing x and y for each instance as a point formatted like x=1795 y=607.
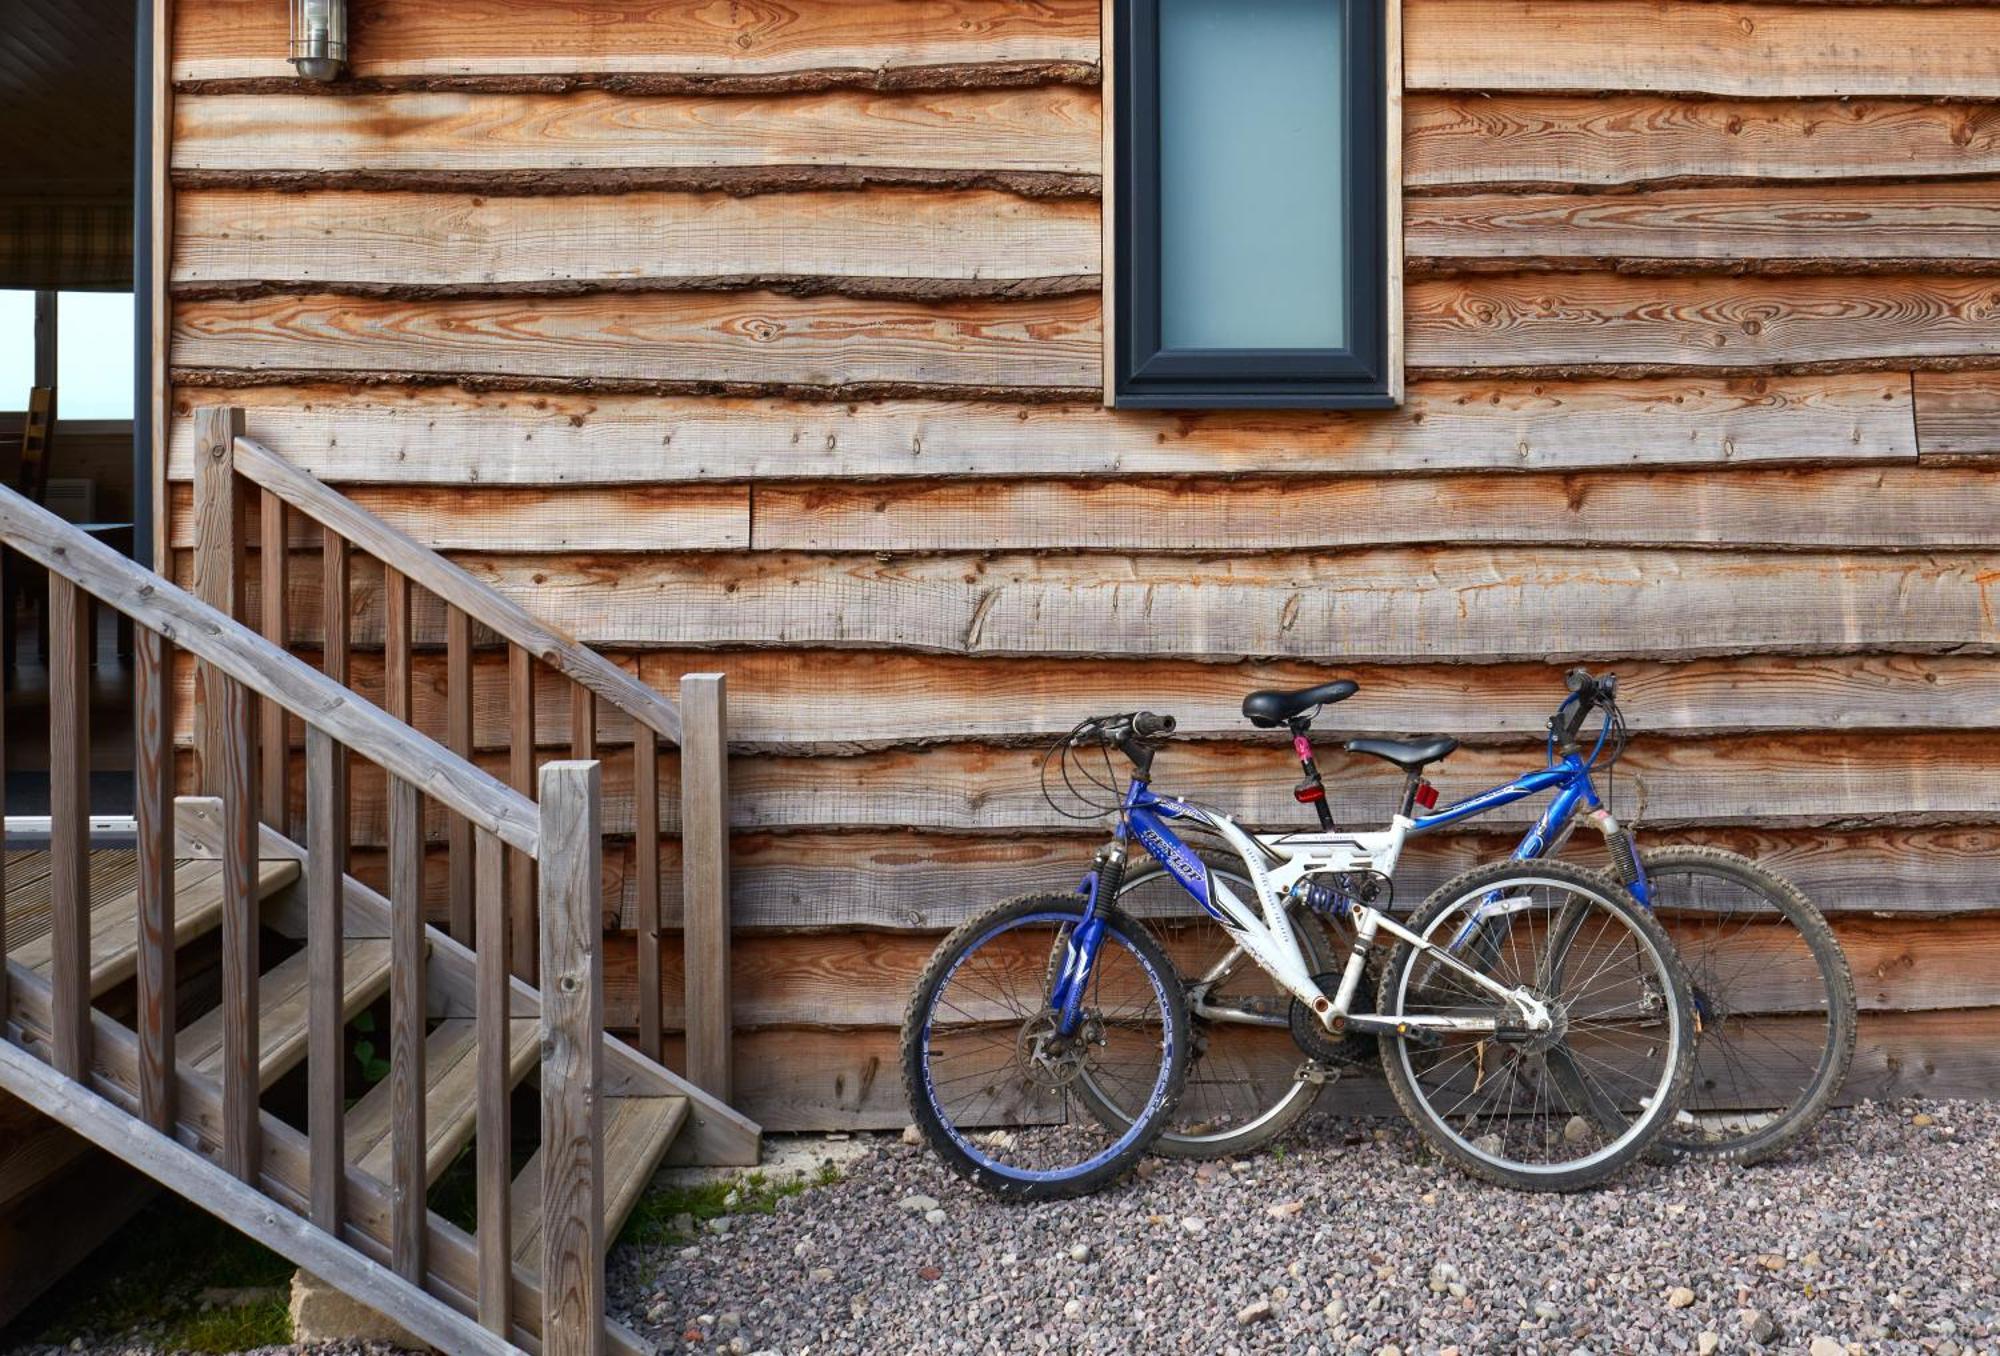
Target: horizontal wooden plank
x=1825 y=228
x=446 y=435
x=1452 y=140
x=836 y=979
x=662 y=340
x=1958 y=412
x=245 y=39
x=1047 y=129
x=888 y=241
x=826 y=701
x=803 y=1080
x=1476 y=605
x=931 y=882
x=1901 y=507
x=1595 y=320
x=1733 y=47
x=1764 y=782
x=632 y=518
x=923 y=881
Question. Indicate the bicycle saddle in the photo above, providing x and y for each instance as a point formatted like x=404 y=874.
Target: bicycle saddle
x=1407 y=754
x=1270 y=707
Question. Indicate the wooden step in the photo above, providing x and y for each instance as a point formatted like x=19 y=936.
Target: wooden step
x=114 y=920
x=282 y=1011
x=637 y=1134
x=451 y=1097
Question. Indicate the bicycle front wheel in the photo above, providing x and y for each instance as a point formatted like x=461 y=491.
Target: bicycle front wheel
x=1247 y=1082
x=992 y=1080
x=1773 y=997
x=1544 y=1110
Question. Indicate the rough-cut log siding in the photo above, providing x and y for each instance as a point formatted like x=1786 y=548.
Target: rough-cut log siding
x=766 y=340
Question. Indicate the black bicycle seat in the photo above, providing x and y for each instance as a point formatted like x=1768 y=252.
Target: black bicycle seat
x=1270 y=707
x=1407 y=754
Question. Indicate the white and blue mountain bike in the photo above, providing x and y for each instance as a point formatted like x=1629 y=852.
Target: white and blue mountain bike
x=1535 y=1022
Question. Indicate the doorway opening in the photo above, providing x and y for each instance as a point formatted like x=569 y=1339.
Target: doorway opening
x=73 y=426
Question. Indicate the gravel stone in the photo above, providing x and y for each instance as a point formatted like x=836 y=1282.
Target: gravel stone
x=935 y=1217
x=919 y=1205
x=1826 y=1346
x=1905 y=1222
x=1680 y=1297
x=1255 y=1312
x=1079 y=1252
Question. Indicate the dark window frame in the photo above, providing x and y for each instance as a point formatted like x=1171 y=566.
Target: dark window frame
x=1362 y=375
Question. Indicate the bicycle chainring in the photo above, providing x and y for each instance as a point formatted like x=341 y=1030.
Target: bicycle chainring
x=1350 y=1051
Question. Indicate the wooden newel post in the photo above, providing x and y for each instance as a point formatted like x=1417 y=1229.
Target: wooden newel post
x=572 y=909
x=218 y=564
x=705 y=879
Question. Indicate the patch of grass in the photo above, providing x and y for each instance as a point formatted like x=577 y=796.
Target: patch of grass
x=149 y=1280
x=241 y=1327
x=675 y=1214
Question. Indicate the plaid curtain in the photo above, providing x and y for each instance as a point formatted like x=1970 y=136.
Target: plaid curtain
x=66 y=246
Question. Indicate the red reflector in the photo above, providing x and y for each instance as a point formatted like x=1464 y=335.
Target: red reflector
x=1308 y=792
x=1427 y=795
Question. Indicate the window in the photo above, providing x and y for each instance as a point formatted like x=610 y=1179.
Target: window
x=1250 y=237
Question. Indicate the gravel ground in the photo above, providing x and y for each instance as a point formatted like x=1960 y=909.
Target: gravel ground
x=1880 y=1235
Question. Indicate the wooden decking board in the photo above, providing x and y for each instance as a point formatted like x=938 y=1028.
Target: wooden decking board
x=114 y=916
x=451 y=1097
x=282 y=1017
x=637 y=1131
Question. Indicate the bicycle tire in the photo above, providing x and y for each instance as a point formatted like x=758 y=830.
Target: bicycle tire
x=1755 y=1144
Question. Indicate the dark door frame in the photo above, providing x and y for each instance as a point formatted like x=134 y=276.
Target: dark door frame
x=144 y=414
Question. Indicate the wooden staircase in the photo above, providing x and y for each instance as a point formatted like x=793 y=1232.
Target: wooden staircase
x=304 y=946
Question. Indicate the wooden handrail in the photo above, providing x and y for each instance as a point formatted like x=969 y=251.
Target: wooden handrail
x=478 y=600
x=273 y=674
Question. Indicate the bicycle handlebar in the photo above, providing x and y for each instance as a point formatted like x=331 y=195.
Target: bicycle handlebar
x=1588 y=691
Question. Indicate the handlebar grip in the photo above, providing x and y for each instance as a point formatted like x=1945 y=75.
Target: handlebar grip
x=1145 y=724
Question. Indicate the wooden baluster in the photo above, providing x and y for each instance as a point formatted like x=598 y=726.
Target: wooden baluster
x=336 y=565
x=646 y=848
x=409 y=1179
x=582 y=722
x=572 y=899
x=521 y=776
x=494 y=1136
x=705 y=878
x=69 y=824
x=458 y=738
x=153 y=693
x=274 y=734
x=407 y=1014
x=242 y=1154
x=218 y=565
x=326 y=1054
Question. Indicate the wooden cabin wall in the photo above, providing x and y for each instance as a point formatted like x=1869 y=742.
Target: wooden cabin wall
x=767 y=339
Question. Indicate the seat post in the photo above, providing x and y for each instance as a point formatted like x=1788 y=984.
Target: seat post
x=1312 y=790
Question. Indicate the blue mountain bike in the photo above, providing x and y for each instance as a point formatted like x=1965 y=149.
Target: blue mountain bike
x=1773 y=996
x=1535 y=1022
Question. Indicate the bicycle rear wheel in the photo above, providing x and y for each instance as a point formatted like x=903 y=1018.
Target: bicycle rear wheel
x=991 y=1079
x=1247 y=1082
x=1554 y=1110
x=1773 y=997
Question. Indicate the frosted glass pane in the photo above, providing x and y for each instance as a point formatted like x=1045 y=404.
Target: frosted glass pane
x=17 y=348
x=1250 y=174
x=94 y=355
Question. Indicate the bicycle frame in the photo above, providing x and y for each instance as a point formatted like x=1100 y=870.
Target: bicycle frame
x=1264 y=932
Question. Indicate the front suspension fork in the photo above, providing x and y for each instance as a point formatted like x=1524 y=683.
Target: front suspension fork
x=1079 y=961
